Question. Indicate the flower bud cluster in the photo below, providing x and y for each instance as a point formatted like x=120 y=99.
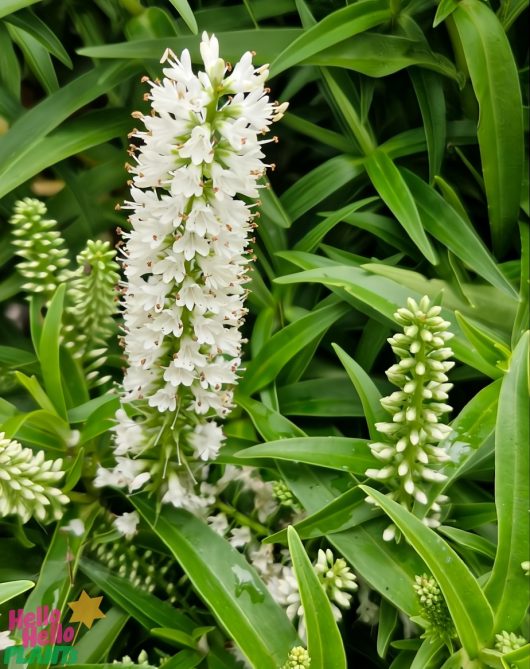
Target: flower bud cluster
x=185 y=262
x=298 y=658
x=409 y=448
x=506 y=642
x=92 y=303
x=40 y=245
x=336 y=578
x=27 y=483
x=433 y=607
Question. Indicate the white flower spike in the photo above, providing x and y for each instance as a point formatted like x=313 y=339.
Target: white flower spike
x=185 y=261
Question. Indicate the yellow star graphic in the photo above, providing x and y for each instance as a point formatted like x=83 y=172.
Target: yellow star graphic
x=86 y=610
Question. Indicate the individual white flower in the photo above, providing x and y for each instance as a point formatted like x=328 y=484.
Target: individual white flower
x=5 y=640
x=127 y=523
x=218 y=523
x=185 y=261
x=240 y=536
x=75 y=527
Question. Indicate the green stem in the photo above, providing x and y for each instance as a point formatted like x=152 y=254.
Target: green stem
x=242 y=519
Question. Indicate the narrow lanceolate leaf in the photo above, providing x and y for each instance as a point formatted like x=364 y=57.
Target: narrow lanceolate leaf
x=226 y=582
x=469 y=608
x=324 y=641
x=352 y=455
x=185 y=11
x=9 y=6
x=366 y=389
x=495 y=80
x=335 y=27
x=49 y=352
x=508 y=587
x=13 y=589
x=391 y=186
x=285 y=343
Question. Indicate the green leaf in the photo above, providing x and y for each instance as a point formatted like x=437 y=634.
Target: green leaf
x=444 y=9
x=16 y=357
x=37 y=58
x=266 y=42
x=185 y=11
x=508 y=587
x=13 y=589
x=366 y=389
x=312 y=239
x=388 y=620
x=284 y=344
x=394 y=191
x=34 y=26
x=147 y=609
x=29 y=130
x=9 y=68
x=342 y=453
x=469 y=540
x=446 y=225
x=331 y=396
x=495 y=80
x=335 y=27
x=226 y=582
x=469 y=609
x=347 y=510
x=486 y=343
x=49 y=351
x=318 y=184
x=10 y=6
x=377 y=55
x=35 y=390
x=429 y=91
x=324 y=641
x=71 y=138
x=429 y=655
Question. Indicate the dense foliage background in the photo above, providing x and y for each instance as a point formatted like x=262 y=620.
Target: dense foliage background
x=401 y=171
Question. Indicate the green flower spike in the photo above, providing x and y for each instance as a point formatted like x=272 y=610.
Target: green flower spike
x=283 y=494
x=93 y=302
x=409 y=447
x=26 y=483
x=506 y=642
x=40 y=245
x=434 y=609
x=298 y=659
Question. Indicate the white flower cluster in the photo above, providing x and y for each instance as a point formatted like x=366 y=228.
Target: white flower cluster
x=26 y=483
x=410 y=450
x=185 y=262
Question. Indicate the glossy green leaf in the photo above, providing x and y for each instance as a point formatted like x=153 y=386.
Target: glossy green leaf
x=270 y=424
x=39 y=30
x=394 y=191
x=185 y=11
x=347 y=510
x=446 y=225
x=332 y=452
x=444 y=9
x=486 y=343
x=144 y=607
x=13 y=589
x=266 y=42
x=470 y=610
x=226 y=582
x=284 y=344
x=312 y=239
x=387 y=624
x=430 y=94
x=96 y=642
x=335 y=27
x=377 y=55
x=10 y=74
x=366 y=389
x=49 y=351
x=318 y=184
x=10 y=6
x=508 y=587
x=324 y=641
x=469 y=540
x=37 y=58
x=493 y=73
x=319 y=397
